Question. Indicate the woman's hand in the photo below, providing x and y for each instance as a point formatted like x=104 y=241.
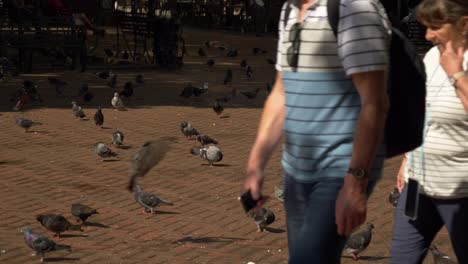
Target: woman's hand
x=451 y=59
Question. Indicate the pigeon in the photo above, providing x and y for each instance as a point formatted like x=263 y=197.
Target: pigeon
x=221 y=48
x=359 y=241
x=24 y=123
x=149 y=201
x=21 y=103
x=210 y=153
x=228 y=77
x=243 y=63
x=205 y=140
x=99 y=117
x=201 y=52
x=127 y=90
x=271 y=61
x=263 y=217
x=87 y=97
x=394 y=196
x=218 y=108
x=279 y=193
x=232 y=53
x=59 y=84
x=250 y=95
x=82 y=212
x=197 y=91
x=187 y=129
x=229 y=96
x=439 y=257
x=210 y=63
x=249 y=72
x=56 y=223
x=103 y=151
x=139 y=79
x=148 y=156
x=187 y=91
x=77 y=110
x=84 y=88
x=112 y=82
x=41 y=244
x=117 y=138
x=103 y=75
x=117 y=103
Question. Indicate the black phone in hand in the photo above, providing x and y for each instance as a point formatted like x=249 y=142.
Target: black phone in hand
x=412 y=199
x=248 y=202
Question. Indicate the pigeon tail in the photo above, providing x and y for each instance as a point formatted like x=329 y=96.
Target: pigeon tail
x=166 y=202
x=75 y=227
x=195 y=151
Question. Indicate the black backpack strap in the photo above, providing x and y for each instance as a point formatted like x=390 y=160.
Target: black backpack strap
x=333 y=10
x=286 y=13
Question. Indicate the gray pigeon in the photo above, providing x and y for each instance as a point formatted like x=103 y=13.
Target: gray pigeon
x=149 y=201
x=218 y=107
x=279 y=193
x=148 y=156
x=77 y=110
x=117 y=138
x=210 y=153
x=98 y=117
x=205 y=140
x=41 y=244
x=250 y=95
x=439 y=257
x=359 y=241
x=263 y=217
x=56 y=223
x=25 y=123
x=81 y=212
x=103 y=151
x=187 y=129
x=394 y=196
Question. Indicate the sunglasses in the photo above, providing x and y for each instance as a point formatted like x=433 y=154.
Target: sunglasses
x=293 y=50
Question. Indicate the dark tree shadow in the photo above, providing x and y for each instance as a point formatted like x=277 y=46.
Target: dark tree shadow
x=190 y=239
x=60 y=259
x=157 y=212
x=225 y=116
x=106 y=127
x=95 y=224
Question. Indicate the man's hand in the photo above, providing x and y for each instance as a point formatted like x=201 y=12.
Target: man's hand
x=351 y=206
x=254 y=183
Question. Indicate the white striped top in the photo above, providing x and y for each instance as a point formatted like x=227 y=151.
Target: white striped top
x=322 y=104
x=444 y=172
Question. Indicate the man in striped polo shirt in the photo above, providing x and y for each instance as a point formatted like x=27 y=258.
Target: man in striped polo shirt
x=329 y=103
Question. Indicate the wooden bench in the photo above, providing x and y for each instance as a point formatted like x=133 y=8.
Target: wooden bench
x=32 y=34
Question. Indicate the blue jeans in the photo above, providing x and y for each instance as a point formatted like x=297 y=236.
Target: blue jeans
x=310 y=219
x=411 y=239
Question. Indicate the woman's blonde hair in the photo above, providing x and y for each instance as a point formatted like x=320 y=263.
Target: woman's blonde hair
x=438 y=12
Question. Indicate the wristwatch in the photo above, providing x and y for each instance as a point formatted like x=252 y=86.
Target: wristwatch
x=453 y=78
x=358 y=173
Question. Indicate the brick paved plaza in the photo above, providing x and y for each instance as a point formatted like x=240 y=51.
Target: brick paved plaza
x=47 y=170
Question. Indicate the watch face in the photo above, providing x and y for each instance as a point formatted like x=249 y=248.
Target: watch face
x=360 y=173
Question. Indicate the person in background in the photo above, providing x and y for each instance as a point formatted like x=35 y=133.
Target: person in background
x=440 y=164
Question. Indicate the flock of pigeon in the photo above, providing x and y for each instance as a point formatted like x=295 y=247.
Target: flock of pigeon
x=152 y=152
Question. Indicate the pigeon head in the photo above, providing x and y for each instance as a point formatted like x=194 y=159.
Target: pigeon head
x=183 y=124
x=40 y=218
x=99 y=108
x=138 y=189
x=370 y=226
x=116 y=94
x=73 y=103
x=26 y=229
